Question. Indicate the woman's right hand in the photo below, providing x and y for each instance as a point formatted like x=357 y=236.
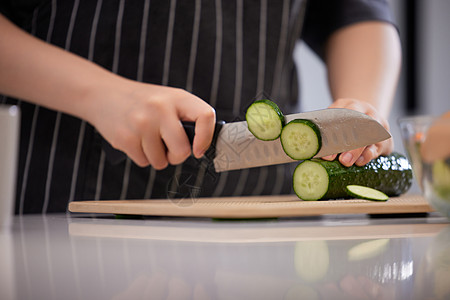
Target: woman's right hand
x=144 y=121
x=437 y=142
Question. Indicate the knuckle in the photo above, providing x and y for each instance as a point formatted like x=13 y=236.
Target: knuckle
x=210 y=113
x=179 y=93
x=142 y=119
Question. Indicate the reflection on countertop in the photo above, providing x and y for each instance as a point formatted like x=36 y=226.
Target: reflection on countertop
x=332 y=257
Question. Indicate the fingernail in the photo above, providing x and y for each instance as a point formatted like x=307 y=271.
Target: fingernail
x=200 y=153
x=347 y=158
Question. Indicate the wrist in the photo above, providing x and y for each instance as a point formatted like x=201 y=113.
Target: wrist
x=99 y=96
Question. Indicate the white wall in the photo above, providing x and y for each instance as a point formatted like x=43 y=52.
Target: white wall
x=434 y=51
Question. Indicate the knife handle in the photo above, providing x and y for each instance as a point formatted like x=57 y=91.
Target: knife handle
x=189 y=127
x=115 y=156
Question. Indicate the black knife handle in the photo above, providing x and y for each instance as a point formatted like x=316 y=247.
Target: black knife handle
x=189 y=127
x=115 y=156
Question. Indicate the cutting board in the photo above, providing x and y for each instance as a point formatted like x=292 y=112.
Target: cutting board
x=252 y=207
x=251 y=233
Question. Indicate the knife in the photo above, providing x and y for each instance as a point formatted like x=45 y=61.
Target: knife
x=234 y=147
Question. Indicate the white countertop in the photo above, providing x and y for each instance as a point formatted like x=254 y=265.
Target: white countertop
x=333 y=257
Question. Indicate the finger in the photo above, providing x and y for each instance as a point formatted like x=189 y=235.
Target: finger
x=437 y=142
x=154 y=149
x=204 y=131
x=369 y=153
x=138 y=156
x=196 y=110
x=330 y=157
x=373 y=151
x=385 y=147
x=348 y=158
x=130 y=145
x=177 y=144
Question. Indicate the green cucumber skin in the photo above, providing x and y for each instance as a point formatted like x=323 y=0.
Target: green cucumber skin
x=389 y=174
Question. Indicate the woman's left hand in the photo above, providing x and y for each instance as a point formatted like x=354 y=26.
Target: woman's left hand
x=362 y=156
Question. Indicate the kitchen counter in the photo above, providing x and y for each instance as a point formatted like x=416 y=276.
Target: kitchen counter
x=84 y=256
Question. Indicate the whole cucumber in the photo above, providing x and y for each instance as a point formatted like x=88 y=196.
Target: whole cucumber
x=319 y=179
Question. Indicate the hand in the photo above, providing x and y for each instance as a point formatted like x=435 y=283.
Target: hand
x=437 y=142
x=362 y=156
x=144 y=121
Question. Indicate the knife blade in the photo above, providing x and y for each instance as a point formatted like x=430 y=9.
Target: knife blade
x=341 y=130
x=234 y=147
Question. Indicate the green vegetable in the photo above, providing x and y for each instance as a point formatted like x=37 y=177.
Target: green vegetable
x=312 y=260
x=310 y=180
x=265 y=120
x=364 y=192
x=319 y=179
x=441 y=178
x=367 y=249
x=301 y=139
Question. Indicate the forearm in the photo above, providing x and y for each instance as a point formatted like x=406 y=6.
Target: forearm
x=363 y=62
x=38 y=72
x=140 y=119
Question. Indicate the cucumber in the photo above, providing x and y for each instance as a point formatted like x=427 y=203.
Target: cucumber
x=320 y=179
x=265 y=120
x=366 y=250
x=440 y=172
x=310 y=180
x=312 y=260
x=301 y=139
x=364 y=192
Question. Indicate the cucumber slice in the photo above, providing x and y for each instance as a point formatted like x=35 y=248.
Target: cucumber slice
x=310 y=180
x=367 y=193
x=265 y=120
x=367 y=249
x=301 y=139
x=319 y=179
x=312 y=260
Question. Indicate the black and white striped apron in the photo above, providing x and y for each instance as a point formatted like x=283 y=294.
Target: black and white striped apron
x=228 y=53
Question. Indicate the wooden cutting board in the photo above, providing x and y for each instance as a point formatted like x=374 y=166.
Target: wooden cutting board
x=252 y=207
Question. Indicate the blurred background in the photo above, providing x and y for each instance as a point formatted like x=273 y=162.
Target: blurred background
x=424 y=86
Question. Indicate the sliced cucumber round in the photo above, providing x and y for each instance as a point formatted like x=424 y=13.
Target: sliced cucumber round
x=301 y=139
x=310 y=180
x=312 y=260
x=367 y=193
x=265 y=120
x=366 y=250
